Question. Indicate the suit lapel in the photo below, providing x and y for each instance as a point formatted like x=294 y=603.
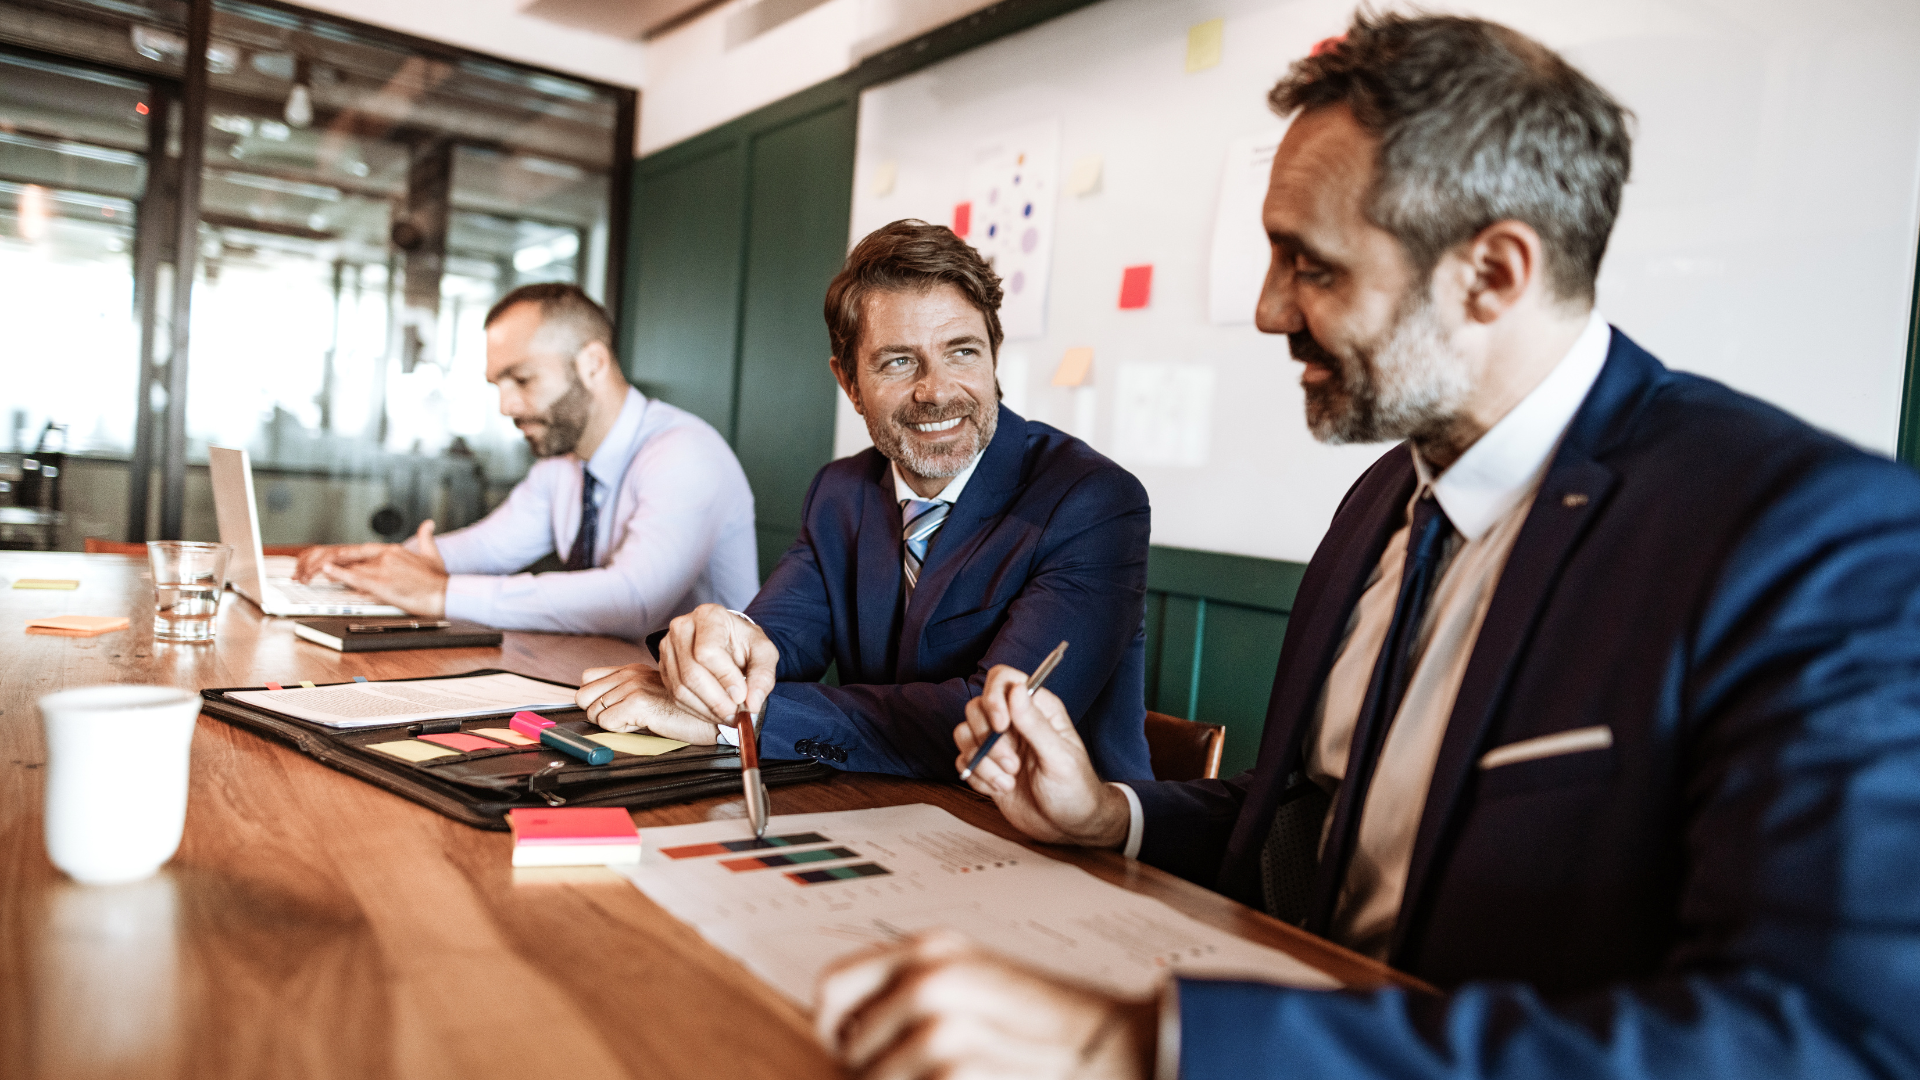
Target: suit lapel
x=879 y=573
x=1352 y=546
x=992 y=488
x=1571 y=497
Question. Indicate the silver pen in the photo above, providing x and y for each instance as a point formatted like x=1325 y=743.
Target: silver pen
x=1034 y=682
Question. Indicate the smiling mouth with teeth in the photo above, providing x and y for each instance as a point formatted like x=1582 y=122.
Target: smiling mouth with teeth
x=937 y=426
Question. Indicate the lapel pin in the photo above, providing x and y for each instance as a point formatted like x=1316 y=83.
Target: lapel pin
x=1573 y=499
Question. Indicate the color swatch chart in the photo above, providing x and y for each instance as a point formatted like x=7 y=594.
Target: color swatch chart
x=782 y=859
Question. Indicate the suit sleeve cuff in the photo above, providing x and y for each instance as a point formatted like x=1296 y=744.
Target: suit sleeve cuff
x=1136 y=822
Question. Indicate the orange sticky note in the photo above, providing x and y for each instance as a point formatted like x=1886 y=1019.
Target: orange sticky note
x=1074 y=367
x=78 y=625
x=1136 y=286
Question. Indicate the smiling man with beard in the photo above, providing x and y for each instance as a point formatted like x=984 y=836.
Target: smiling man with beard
x=966 y=537
x=644 y=503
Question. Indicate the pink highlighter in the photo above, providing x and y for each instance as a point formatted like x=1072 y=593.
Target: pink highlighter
x=529 y=724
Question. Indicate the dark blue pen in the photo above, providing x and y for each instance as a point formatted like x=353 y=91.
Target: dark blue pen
x=1034 y=682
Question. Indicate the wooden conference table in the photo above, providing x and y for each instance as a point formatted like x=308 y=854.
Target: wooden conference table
x=314 y=925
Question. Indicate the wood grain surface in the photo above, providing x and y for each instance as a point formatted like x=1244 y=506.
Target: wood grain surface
x=313 y=925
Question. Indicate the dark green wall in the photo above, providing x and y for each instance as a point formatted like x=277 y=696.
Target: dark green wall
x=1214 y=627
x=736 y=234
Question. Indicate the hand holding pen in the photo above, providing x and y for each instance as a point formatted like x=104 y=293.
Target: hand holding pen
x=1037 y=770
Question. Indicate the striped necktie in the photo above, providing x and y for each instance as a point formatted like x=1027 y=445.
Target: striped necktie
x=920 y=519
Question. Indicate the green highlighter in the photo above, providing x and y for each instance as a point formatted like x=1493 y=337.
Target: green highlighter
x=579 y=746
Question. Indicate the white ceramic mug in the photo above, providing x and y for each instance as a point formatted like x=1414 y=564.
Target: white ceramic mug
x=116 y=778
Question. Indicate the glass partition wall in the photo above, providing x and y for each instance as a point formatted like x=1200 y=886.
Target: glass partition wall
x=363 y=199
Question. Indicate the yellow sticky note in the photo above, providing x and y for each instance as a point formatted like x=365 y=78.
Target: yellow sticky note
x=505 y=735
x=413 y=749
x=309 y=685
x=884 y=175
x=1074 y=367
x=1203 y=45
x=1085 y=177
x=626 y=742
x=46 y=583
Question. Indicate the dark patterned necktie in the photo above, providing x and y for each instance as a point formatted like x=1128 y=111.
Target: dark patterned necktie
x=1301 y=887
x=581 y=555
x=919 y=520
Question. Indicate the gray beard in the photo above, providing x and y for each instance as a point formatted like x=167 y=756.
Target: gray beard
x=889 y=438
x=1408 y=386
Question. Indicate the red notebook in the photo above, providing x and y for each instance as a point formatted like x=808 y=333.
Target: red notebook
x=574 y=836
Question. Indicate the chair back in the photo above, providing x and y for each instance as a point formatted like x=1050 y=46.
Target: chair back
x=1184 y=749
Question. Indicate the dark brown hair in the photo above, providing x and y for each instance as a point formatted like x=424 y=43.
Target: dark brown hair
x=561 y=305
x=908 y=256
x=1477 y=123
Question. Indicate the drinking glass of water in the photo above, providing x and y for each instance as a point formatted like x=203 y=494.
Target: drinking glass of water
x=187 y=579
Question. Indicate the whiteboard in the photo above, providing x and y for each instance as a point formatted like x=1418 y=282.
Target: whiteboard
x=1767 y=238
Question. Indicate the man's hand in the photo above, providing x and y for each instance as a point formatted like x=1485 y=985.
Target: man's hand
x=1038 y=773
x=633 y=698
x=715 y=662
x=415 y=581
x=937 y=1006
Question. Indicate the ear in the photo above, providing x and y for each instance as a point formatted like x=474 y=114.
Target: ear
x=1506 y=262
x=592 y=361
x=849 y=384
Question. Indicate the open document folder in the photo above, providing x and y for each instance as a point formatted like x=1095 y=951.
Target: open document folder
x=819 y=886
x=370 y=704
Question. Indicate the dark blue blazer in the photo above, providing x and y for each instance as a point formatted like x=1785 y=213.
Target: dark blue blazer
x=1048 y=542
x=1733 y=888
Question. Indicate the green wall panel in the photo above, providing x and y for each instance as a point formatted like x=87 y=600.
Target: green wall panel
x=1237 y=659
x=685 y=302
x=800 y=192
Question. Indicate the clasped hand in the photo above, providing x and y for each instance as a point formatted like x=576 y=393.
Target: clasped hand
x=415 y=581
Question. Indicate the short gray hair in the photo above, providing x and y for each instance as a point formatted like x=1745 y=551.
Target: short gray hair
x=1477 y=123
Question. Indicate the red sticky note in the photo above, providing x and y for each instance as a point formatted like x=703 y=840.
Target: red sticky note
x=962 y=218
x=455 y=740
x=1136 y=286
x=273 y=686
x=572 y=825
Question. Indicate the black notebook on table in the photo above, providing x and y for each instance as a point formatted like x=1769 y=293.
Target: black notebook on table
x=393 y=634
x=479 y=786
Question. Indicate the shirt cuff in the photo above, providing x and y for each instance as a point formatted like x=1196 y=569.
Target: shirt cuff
x=1166 y=1052
x=1136 y=822
x=469 y=598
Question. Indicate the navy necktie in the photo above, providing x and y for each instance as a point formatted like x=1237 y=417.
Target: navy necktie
x=1392 y=671
x=581 y=555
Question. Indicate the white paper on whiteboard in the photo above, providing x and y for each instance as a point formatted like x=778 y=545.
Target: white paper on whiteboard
x=1012 y=187
x=1238 y=263
x=1162 y=415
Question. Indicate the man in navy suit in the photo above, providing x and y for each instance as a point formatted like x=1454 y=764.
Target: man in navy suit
x=1599 y=708
x=966 y=537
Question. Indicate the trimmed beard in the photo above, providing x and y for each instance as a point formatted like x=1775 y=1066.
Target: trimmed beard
x=1411 y=385
x=889 y=437
x=564 y=421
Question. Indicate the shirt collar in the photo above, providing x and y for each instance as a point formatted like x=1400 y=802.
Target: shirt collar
x=950 y=494
x=1503 y=465
x=610 y=461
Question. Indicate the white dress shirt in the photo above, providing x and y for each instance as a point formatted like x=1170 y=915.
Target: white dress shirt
x=902 y=491
x=674 y=530
x=1486 y=494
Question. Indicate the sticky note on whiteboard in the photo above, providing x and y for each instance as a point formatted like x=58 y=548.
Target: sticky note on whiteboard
x=884 y=175
x=1136 y=287
x=1074 y=367
x=1163 y=415
x=962 y=218
x=1085 y=177
x=1203 y=44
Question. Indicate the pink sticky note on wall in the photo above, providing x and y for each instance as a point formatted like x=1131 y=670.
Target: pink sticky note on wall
x=962 y=218
x=1136 y=286
x=455 y=740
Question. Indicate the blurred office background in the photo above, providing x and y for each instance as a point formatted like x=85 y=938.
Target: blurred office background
x=357 y=201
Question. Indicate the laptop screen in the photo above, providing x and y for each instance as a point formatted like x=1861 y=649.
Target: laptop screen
x=232 y=474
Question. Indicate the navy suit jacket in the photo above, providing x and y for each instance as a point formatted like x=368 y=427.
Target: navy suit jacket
x=1733 y=887
x=1047 y=543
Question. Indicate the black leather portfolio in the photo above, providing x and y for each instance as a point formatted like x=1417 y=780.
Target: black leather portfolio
x=478 y=787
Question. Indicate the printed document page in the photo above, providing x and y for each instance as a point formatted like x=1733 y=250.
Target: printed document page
x=369 y=704
x=822 y=885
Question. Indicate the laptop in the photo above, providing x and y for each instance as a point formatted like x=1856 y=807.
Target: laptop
x=269 y=582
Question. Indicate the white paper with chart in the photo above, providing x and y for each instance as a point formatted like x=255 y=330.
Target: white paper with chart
x=822 y=885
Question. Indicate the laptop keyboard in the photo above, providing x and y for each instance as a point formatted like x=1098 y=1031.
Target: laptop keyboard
x=320 y=592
